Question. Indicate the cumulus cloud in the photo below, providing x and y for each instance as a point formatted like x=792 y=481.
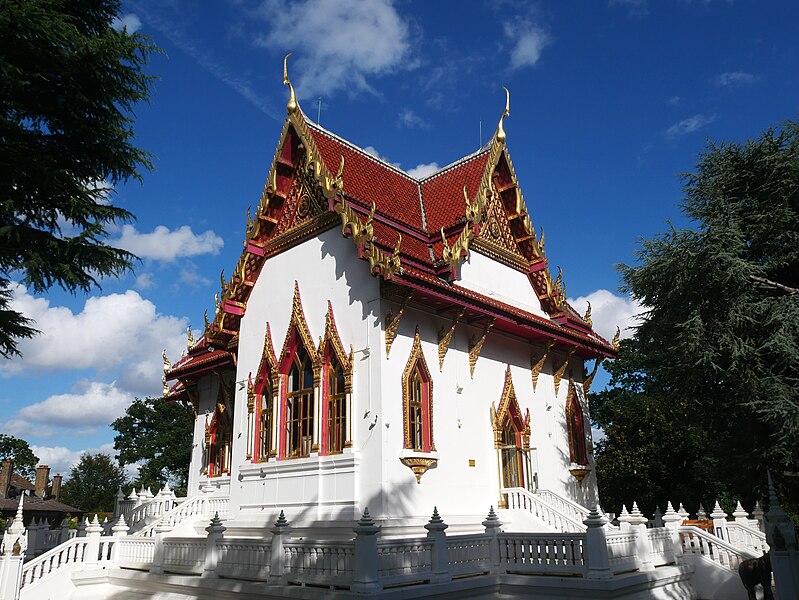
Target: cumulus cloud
x=339 y=45
x=131 y=22
x=166 y=245
x=61 y=460
x=423 y=170
x=609 y=311
x=92 y=404
x=144 y=281
x=374 y=152
x=734 y=78
x=529 y=40
x=688 y=125
x=118 y=334
x=408 y=118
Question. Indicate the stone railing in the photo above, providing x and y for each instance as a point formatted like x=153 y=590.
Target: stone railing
x=315 y=562
x=193 y=507
x=469 y=554
x=742 y=536
x=405 y=561
x=622 y=553
x=695 y=541
x=66 y=553
x=568 y=507
x=539 y=507
x=244 y=559
x=135 y=552
x=537 y=553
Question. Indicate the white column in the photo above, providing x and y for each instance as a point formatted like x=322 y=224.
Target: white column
x=596 y=546
x=216 y=532
x=436 y=531
x=643 y=547
x=365 y=580
x=280 y=533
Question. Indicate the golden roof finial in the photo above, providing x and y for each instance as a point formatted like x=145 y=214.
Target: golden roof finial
x=616 y=343
x=291 y=105
x=587 y=316
x=189 y=338
x=500 y=130
x=167 y=365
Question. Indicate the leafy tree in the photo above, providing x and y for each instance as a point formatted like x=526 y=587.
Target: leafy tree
x=25 y=460
x=720 y=337
x=157 y=434
x=68 y=84
x=93 y=483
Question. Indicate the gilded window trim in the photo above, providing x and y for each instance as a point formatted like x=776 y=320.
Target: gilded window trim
x=416 y=358
x=332 y=338
x=509 y=406
x=572 y=395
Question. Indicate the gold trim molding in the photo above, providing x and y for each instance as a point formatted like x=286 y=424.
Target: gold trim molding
x=392 y=322
x=475 y=347
x=444 y=339
x=418 y=465
x=536 y=365
x=558 y=375
x=590 y=378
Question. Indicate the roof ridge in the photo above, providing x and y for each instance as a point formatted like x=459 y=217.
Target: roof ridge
x=464 y=159
x=360 y=150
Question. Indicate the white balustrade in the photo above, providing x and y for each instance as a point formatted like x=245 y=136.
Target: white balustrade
x=67 y=553
x=244 y=559
x=195 y=506
x=568 y=507
x=662 y=546
x=330 y=563
x=698 y=541
x=184 y=555
x=469 y=554
x=218 y=506
x=520 y=498
x=404 y=560
x=743 y=536
x=136 y=552
x=542 y=553
x=622 y=551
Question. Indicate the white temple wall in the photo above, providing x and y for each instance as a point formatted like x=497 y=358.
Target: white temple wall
x=207 y=390
x=315 y=488
x=487 y=276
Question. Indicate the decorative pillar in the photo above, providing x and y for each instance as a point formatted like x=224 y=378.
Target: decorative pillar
x=93 y=531
x=759 y=516
x=624 y=519
x=440 y=559
x=740 y=515
x=365 y=580
x=118 y=500
x=64 y=534
x=119 y=530
x=672 y=521
x=657 y=520
x=719 y=521
x=15 y=542
x=597 y=561
x=161 y=528
x=492 y=525
x=216 y=532
x=683 y=512
x=280 y=533
x=81 y=530
x=643 y=547
x=701 y=513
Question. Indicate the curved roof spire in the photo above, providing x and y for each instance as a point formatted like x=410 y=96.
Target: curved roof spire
x=291 y=105
x=500 y=130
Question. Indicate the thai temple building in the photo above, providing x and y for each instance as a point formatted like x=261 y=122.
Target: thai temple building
x=390 y=398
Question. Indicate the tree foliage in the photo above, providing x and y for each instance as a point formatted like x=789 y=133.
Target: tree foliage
x=719 y=342
x=93 y=483
x=25 y=460
x=68 y=85
x=158 y=435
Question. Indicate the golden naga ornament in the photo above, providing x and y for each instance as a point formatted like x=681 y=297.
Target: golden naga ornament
x=189 y=338
x=617 y=338
x=167 y=364
x=587 y=316
x=291 y=105
x=559 y=373
x=475 y=347
x=500 y=129
x=538 y=365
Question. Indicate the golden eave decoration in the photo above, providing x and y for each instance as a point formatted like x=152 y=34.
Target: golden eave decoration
x=537 y=363
x=476 y=346
x=418 y=464
x=445 y=338
x=558 y=375
x=392 y=323
x=590 y=377
x=268 y=365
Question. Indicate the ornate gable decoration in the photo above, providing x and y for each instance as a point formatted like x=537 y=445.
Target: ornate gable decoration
x=509 y=406
x=298 y=326
x=268 y=364
x=417 y=357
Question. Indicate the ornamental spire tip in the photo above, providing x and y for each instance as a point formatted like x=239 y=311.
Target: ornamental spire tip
x=291 y=105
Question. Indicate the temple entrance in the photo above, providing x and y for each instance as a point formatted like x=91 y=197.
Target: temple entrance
x=512 y=457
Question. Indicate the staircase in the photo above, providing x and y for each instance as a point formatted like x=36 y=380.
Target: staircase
x=555 y=512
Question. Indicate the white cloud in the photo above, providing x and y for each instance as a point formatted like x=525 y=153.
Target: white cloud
x=373 y=151
x=409 y=119
x=734 y=78
x=423 y=170
x=529 y=40
x=688 y=125
x=609 y=311
x=93 y=404
x=130 y=21
x=190 y=275
x=166 y=245
x=61 y=459
x=144 y=281
x=338 y=44
x=118 y=334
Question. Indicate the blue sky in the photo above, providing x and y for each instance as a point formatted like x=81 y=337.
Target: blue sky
x=609 y=102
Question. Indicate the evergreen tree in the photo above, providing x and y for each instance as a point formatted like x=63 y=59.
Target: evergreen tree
x=68 y=84
x=93 y=483
x=720 y=338
x=158 y=435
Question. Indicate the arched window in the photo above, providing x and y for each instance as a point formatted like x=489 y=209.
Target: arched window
x=417 y=387
x=336 y=409
x=300 y=405
x=264 y=407
x=218 y=438
x=576 y=428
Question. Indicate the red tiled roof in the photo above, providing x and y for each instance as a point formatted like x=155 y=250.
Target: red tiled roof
x=442 y=192
x=201 y=358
